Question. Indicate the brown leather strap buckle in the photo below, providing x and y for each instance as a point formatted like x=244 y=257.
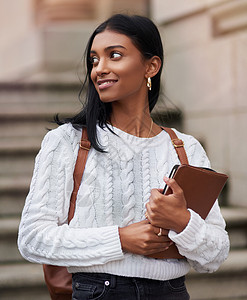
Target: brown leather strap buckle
x=85 y=145
x=177 y=143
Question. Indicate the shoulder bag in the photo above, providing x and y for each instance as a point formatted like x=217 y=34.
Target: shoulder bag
x=58 y=279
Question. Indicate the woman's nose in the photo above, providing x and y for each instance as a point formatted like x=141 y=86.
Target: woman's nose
x=102 y=67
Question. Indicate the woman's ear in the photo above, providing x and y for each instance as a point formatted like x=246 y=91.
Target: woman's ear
x=153 y=66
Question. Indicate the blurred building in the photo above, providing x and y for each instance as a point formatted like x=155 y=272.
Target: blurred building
x=40 y=37
x=205 y=74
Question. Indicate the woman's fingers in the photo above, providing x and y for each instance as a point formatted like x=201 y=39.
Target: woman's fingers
x=152 y=210
x=155 y=238
x=142 y=238
x=168 y=211
x=160 y=231
x=176 y=189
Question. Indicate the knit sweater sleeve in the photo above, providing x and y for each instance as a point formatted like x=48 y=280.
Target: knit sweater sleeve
x=204 y=243
x=44 y=235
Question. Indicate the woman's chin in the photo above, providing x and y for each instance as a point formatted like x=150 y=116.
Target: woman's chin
x=107 y=99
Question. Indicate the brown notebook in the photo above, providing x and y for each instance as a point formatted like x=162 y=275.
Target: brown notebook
x=201 y=188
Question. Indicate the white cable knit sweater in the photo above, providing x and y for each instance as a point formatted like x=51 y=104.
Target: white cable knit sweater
x=114 y=189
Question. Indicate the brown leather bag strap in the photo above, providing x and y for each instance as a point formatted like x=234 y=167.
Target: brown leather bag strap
x=84 y=147
x=178 y=144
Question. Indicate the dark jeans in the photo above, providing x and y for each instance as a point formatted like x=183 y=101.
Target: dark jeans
x=110 y=287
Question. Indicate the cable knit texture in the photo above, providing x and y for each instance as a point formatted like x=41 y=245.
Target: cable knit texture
x=113 y=192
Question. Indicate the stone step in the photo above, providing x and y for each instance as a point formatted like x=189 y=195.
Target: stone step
x=13 y=192
x=41 y=101
x=19 y=147
x=9 y=226
x=236 y=221
x=22 y=129
x=16 y=166
x=228 y=283
x=22 y=281
x=37 y=101
x=14 y=185
x=12 y=205
x=9 y=252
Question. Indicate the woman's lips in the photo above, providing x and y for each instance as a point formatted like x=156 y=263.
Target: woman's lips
x=103 y=84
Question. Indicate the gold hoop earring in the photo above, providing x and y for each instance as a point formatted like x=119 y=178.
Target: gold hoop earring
x=149 y=84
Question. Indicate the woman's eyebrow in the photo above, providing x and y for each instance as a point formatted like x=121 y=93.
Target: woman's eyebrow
x=109 y=48
x=114 y=46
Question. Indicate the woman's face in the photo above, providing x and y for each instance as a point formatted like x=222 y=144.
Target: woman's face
x=118 y=68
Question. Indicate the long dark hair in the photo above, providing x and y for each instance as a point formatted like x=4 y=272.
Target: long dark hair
x=145 y=36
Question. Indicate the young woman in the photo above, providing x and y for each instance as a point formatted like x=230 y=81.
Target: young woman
x=106 y=244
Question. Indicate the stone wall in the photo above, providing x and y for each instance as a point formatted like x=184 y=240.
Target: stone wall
x=31 y=29
x=205 y=74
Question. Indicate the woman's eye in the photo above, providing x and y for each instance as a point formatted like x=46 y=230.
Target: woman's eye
x=94 y=60
x=115 y=55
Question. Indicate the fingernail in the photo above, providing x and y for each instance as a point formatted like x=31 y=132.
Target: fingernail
x=166 y=178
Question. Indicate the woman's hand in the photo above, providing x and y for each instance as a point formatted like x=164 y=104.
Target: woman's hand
x=168 y=211
x=142 y=238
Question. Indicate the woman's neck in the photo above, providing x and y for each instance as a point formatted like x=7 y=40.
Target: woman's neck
x=133 y=121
